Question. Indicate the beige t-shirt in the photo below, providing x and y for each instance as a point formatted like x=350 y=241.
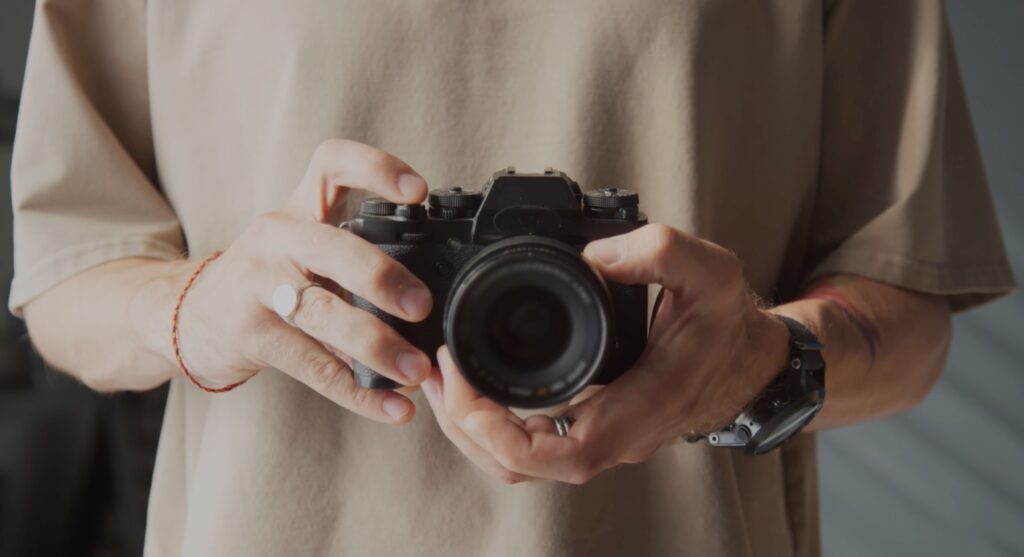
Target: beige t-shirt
x=809 y=137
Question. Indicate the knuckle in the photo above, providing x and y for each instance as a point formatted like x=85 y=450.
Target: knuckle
x=582 y=474
x=322 y=239
x=507 y=460
x=730 y=271
x=584 y=470
x=733 y=266
x=579 y=476
x=262 y=329
x=513 y=460
x=358 y=397
x=663 y=240
x=323 y=371
x=380 y=273
x=377 y=343
x=261 y=228
x=316 y=308
x=499 y=453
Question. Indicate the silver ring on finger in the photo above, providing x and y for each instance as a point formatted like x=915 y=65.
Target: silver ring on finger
x=562 y=424
x=287 y=299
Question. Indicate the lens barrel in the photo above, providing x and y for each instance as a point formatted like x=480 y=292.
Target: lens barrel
x=529 y=322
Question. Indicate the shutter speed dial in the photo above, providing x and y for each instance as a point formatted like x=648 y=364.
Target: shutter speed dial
x=611 y=203
x=411 y=212
x=377 y=207
x=454 y=202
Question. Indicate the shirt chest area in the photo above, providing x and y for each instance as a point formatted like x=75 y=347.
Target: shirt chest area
x=262 y=43
x=654 y=95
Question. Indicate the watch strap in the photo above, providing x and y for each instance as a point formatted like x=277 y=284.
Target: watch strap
x=801 y=380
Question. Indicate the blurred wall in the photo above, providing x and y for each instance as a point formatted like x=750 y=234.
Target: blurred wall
x=940 y=480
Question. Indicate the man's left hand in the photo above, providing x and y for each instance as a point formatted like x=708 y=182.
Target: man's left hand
x=710 y=351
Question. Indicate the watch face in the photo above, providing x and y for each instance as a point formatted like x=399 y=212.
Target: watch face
x=786 y=428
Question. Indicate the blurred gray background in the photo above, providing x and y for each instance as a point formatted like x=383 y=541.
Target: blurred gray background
x=943 y=479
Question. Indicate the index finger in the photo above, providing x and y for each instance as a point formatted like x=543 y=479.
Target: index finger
x=338 y=164
x=352 y=262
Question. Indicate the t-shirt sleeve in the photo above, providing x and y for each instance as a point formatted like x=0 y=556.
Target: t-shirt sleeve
x=83 y=177
x=902 y=195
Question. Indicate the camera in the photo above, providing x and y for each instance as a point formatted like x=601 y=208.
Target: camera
x=527 y=319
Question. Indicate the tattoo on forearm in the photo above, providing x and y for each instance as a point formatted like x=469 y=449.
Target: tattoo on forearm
x=832 y=295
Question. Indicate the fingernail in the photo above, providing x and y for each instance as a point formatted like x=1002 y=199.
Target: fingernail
x=413 y=366
x=607 y=251
x=411 y=186
x=415 y=300
x=396 y=408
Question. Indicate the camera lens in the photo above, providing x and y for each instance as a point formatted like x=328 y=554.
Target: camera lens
x=528 y=322
x=528 y=327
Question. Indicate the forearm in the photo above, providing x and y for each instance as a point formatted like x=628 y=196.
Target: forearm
x=885 y=347
x=110 y=326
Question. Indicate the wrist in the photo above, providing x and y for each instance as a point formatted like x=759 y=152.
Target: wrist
x=766 y=354
x=769 y=338
x=152 y=306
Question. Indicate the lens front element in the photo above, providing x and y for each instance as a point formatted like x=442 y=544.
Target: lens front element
x=528 y=322
x=529 y=328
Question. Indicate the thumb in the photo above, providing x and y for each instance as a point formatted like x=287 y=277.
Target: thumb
x=652 y=254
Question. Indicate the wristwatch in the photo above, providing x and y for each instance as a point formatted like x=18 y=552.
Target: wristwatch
x=787 y=404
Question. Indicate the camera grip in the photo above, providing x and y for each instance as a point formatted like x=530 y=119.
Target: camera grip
x=366 y=377
x=369 y=379
x=435 y=265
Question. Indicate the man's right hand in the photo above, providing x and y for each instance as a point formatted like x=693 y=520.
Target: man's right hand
x=228 y=330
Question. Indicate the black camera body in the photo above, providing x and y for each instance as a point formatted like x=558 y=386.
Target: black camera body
x=528 y=321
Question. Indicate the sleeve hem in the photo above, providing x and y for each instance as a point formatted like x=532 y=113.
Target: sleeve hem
x=964 y=285
x=49 y=271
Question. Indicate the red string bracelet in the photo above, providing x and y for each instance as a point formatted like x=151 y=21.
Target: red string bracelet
x=174 y=331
